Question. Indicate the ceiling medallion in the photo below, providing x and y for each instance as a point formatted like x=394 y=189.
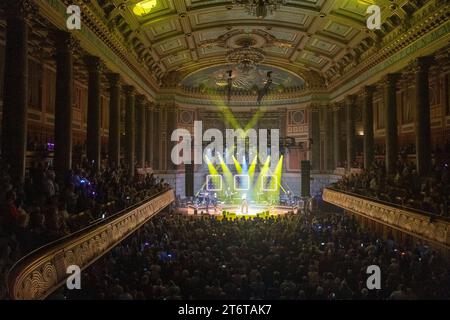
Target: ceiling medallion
x=246 y=57
x=260 y=8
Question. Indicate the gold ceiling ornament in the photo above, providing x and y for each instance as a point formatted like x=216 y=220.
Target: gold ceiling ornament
x=246 y=57
x=233 y=39
x=260 y=8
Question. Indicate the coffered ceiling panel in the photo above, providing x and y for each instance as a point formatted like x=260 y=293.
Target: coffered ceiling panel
x=187 y=35
x=278 y=51
x=177 y=59
x=284 y=34
x=213 y=51
x=355 y=8
x=322 y=45
x=340 y=30
x=172 y=45
x=163 y=28
x=313 y=58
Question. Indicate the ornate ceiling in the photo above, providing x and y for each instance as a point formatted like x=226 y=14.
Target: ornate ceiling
x=312 y=38
x=217 y=77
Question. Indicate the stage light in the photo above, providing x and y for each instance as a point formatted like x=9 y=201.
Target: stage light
x=144 y=7
x=237 y=165
x=257 y=187
x=226 y=172
x=251 y=170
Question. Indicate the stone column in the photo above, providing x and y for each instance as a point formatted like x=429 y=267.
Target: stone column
x=350 y=102
x=140 y=131
x=328 y=134
x=314 y=138
x=171 y=126
x=114 y=120
x=149 y=135
x=130 y=129
x=63 y=102
x=390 y=109
x=156 y=137
x=93 y=143
x=336 y=137
x=369 y=155
x=15 y=94
x=422 y=116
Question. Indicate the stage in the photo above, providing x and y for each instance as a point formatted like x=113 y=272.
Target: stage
x=234 y=211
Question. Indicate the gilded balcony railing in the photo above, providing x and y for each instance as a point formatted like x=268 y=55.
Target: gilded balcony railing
x=41 y=272
x=432 y=229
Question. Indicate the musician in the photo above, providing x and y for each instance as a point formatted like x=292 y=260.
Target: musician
x=244 y=204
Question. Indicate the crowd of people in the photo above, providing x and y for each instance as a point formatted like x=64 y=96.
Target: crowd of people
x=405 y=188
x=44 y=207
x=176 y=256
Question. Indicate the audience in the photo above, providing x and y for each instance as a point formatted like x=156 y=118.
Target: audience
x=190 y=257
x=43 y=209
x=405 y=188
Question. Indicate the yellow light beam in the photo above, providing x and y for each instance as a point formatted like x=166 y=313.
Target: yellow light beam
x=237 y=165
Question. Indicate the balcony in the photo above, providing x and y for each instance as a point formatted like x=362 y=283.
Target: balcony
x=430 y=228
x=42 y=271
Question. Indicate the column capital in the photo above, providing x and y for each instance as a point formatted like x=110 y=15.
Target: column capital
x=314 y=107
x=335 y=107
x=443 y=60
x=391 y=79
x=19 y=9
x=368 y=90
x=65 y=42
x=114 y=79
x=129 y=90
x=350 y=99
x=422 y=64
x=140 y=99
x=93 y=63
x=150 y=106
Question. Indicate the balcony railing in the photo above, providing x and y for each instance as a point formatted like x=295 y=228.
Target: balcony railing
x=432 y=228
x=42 y=271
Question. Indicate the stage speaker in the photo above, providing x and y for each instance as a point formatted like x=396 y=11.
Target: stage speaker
x=305 y=167
x=189 y=180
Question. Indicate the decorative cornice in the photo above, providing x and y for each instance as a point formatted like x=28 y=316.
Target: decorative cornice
x=433 y=26
x=94 y=35
x=43 y=271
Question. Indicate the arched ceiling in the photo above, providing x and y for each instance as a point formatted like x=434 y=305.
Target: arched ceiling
x=216 y=78
x=303 y=36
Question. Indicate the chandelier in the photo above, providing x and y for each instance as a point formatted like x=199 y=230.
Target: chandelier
x=246 y=58
x=260 y=8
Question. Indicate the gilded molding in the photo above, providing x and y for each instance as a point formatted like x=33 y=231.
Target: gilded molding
x=418 y=225
x=41 y=272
